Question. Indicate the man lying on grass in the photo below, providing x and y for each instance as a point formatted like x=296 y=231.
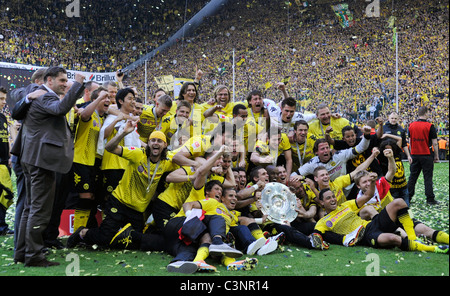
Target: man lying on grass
x=379 y=232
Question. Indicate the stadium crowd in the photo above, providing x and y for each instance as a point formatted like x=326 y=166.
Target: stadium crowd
x=186 y=175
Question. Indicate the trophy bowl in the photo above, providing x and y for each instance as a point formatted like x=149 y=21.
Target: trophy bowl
x=278 y=203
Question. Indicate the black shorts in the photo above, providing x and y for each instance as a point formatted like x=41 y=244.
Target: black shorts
x=111 y=179
x=381 y=223
x=162 y=213
x=85 y=178
x=117 y=215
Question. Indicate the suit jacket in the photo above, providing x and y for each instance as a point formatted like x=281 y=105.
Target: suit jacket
x=19 y=111
x=46 y=139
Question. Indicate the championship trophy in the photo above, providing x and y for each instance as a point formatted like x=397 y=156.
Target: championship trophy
x=278 y=203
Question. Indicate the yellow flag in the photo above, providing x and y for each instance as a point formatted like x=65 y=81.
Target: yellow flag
x=268 y=85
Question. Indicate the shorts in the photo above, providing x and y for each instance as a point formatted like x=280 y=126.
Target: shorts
x=85 y=178
x=111 y=179
x=380 y=224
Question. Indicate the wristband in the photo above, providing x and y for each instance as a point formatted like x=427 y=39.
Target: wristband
x=256 y=186
x=258 y=220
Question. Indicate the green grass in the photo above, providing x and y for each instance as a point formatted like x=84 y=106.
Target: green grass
x=290 y=260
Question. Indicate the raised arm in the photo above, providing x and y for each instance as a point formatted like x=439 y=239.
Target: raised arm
x=201 y=174
x=182 y=158
x=392 y=167
x=361 y=201
x=90 y=109
x=113 y=145
x=365 y=165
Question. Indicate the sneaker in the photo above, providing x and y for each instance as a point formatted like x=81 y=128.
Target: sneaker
x=318 y=243
x=255 y=246
x=203 y=266
x=186 y=267
x=270 y=246
x=422 y=239
x=246 y=264
x=441 y=249
x=279 y=238
x=230 y=240
x=74 y=239
x=354 y=237
x=224 y=250
x=122 y=239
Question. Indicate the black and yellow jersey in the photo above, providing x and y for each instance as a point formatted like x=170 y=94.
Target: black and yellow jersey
x=305 y=150
x=343 y=220
x=176 y=193
x=198 y=145
x=263 y=148
x=212 y=206
x=86 y=137
x=132 y=189
x=111 y=161
x=148 y=122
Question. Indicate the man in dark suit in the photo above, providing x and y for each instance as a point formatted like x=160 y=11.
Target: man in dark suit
x=16 y=95
x=46 y=148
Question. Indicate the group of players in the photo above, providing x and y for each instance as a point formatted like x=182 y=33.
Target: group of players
x=186 y=178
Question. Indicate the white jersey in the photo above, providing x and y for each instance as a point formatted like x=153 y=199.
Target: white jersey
x=275 y=116
x=337 y=165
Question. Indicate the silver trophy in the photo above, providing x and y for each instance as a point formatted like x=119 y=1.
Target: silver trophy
x=278 y=203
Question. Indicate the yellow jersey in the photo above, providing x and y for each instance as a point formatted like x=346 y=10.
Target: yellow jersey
x=305 y=150
x=343 y=220
x=263 y=147
x=212 y=206
x=111 y=161
x=148 y=122
x=198 y=145
x=177 y=193
x=86 y=137
x=338 y=185
x=133 y=189
x=227 y=110
x=318 y=129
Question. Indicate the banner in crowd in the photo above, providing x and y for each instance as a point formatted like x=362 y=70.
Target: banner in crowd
x=90 y=76
x=165 y=82
x=170 y=83
x=344 y=14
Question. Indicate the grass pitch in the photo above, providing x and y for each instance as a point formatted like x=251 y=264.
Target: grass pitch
x=289 y=260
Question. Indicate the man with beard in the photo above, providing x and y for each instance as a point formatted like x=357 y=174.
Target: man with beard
x=134 y=192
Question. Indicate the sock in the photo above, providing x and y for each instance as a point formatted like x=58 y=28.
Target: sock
x=407 y=223
x=81 y=218
x=217 y=240
x=202 y=253
x=410 y=245
x=227 y=260
x=255 y=230
x=440 y=237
